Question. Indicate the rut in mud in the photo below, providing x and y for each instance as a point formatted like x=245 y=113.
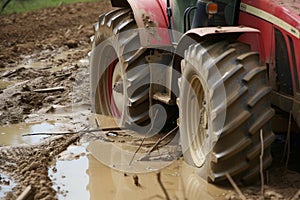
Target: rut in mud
x=28 y=165
x=41 y=50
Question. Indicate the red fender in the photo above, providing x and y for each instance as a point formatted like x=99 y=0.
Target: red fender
x=197 y=35
x=151 y=18
x=200 y=34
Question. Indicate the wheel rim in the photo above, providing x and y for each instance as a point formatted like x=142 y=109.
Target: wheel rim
x=113 y=83
x=117 y=85
x=197 y=120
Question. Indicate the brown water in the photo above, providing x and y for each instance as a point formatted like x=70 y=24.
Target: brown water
x=80 y=176
x=5 y=84
x=77 y=174
x=12 y=134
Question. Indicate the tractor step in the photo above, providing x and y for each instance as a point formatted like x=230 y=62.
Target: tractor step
x=164 y=98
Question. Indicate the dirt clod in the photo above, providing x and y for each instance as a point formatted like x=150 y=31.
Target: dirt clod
x=136 y=181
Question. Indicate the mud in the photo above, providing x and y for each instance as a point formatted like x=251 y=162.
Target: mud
x=43 y=49
x=13 y=134
x=23 y=98
x=28 y=166
x=48 y=29
x=63 y=167
x=48 y=49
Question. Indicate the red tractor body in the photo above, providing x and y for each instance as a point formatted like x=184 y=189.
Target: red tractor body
x=214 y=66
x=150 y=14
x=279 y=25
x=271 y=18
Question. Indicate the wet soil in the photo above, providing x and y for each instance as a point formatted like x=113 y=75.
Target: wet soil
x=44 y=79
x=48 y=29
x=43 y=63
x=41 y=50
x=28 y=165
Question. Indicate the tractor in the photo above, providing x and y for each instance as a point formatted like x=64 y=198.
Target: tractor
x=219 y=69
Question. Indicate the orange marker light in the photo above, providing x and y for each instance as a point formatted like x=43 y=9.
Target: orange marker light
x=211 y=8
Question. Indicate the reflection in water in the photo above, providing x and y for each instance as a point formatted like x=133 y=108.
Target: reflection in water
x=127 y=151
x=80 y=176
x=69 y=174
x=106 y=183
x=12 y=134
x=6 y=185
x=197 y=188
x=179 y=180
x=118 y=157
x=5 y=84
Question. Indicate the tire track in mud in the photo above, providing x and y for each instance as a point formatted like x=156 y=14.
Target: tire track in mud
x=27 y=165
x=55 y=38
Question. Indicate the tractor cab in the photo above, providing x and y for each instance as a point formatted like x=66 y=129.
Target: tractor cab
x=194 y=14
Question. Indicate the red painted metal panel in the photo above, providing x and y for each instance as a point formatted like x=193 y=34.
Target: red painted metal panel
x=151 y=18
x=266 y=34
x=288 y=13
x=195 y=35
x=287 y=10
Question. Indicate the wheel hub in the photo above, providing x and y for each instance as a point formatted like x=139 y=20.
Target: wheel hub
x=198 y=121
x=118 y=88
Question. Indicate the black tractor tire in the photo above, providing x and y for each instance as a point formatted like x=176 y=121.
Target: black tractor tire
x=120 y=75
x=224 y=105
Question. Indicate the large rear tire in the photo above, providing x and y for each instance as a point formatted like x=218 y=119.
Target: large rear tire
x=224 y=104
x=118 y=89
x=120 y=76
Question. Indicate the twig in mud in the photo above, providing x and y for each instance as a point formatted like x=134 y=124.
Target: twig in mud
x=261 y=166
x=289 y=141
x=97 y=124
x=152 y=124
x=26 y=194
x=76 y=132
x=234 y=185
x=51 y=133
x=162 y=186
x=47 y=90
x=7 y=74
x=155 y=146
x=137 y=150
x=296 y=196
x=287 y=147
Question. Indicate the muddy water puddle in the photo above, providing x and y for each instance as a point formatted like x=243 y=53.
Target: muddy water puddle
x=12 y=134
x=5 y=84
x=77 y=174
x=6 y=184
x=81 y=176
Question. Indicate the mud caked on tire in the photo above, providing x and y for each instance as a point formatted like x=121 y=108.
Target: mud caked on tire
x=120 y=74
x=224 y=104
